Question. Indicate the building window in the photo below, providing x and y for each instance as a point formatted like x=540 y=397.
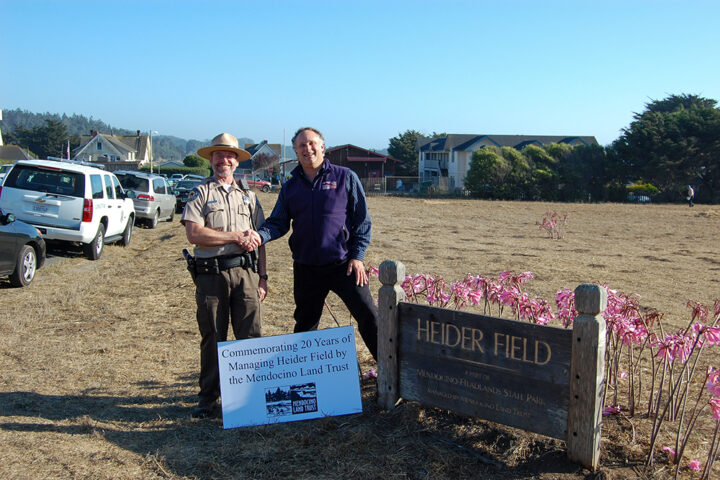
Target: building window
x=99 y=145
x=436 y=156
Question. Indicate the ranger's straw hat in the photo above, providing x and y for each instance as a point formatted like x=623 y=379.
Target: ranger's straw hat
x=226 y=142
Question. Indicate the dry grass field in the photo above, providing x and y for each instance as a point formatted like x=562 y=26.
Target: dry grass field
x=99 y=360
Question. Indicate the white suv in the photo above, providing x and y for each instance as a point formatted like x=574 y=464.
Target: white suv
x=69 y=202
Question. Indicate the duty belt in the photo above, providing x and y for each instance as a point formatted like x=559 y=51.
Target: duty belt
x=217 y=264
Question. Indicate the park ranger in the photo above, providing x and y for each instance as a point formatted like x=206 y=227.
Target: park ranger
x=230 y=276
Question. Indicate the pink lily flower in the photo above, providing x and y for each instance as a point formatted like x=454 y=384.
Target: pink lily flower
x=669 y=451
x=715 y=406
x=611 y=410
x=372 y=373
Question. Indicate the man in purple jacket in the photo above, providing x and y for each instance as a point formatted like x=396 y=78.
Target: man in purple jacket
x=325 y=205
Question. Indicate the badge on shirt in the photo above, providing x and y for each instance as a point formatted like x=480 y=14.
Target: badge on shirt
x=246 y=200
x=328 y=185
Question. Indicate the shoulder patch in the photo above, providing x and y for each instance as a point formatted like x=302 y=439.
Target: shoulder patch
x=193 y=194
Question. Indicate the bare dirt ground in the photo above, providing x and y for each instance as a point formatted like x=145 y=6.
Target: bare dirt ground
x=99 y=360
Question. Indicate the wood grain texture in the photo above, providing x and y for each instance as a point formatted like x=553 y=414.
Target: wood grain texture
x=390 y=294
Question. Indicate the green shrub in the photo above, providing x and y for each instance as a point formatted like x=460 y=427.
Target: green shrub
x=641 y=188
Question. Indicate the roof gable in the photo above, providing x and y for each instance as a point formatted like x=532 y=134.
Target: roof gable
x=13 y=152
x=170 y=163
x=462 y=142
x=103 y=138
x=477 y=142
x=260 y=148
x=354 y=152
x=122 y=144
x=268 y=148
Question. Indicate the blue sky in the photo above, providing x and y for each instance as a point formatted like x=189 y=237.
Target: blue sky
x=360 y=71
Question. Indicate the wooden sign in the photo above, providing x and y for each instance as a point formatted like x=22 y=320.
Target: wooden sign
x=510 y=372
x=542 y=379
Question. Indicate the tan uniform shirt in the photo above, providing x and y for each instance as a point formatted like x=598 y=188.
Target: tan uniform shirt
x=211 y=206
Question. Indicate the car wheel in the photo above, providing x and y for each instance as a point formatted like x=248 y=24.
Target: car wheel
x=94 y=249
x=265 y=188
x=152 y=223
x=172 y=215
x=127 y=234
x=25 y=267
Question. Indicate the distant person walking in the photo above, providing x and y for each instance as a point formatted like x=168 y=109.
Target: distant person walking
x=690 y=195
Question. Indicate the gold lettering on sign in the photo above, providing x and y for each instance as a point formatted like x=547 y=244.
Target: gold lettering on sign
x=517 y=348
x=449 y=335
x=537 y=352
x=512 y=347
x=455 y=331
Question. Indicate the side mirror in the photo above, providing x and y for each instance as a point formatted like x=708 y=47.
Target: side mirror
x=176 y=192
x=7 y=218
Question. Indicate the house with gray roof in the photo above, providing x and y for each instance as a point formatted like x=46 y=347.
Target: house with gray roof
x=263 y=155
x=115 y=152
x=446 y=160
x=170 y=164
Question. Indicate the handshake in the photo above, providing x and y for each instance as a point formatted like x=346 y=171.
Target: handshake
x=248 y=240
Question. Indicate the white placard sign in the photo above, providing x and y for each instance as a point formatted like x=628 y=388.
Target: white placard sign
x=286 y=378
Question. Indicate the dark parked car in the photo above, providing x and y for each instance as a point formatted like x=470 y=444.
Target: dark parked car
x=22 y=250
x=182 y=189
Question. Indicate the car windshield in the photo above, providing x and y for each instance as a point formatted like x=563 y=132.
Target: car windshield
x=132 y=182
x=187 y=184
x=53 y=181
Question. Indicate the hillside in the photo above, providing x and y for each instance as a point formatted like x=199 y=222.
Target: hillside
x=166 y=147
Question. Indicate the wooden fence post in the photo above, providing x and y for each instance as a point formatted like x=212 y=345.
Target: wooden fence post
x=392 y=274
x=587 y=367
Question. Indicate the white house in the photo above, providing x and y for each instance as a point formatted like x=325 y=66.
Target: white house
x=115 y=151
x=263 y=155
x=446 y=160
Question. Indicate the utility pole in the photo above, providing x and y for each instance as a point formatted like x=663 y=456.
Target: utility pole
x=151 y=152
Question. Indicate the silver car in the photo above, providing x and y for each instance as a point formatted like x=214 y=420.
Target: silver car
x=3 y=170
x=153 y=198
